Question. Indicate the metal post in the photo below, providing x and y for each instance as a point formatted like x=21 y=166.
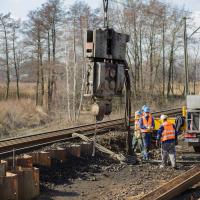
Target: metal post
x=163 y=48
x=13 y=159
x=185 y=56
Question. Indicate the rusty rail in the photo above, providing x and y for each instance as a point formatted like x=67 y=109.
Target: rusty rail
x=7 y=146
x=176 y=186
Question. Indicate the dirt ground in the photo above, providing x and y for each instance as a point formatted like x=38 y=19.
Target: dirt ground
x=103 y=178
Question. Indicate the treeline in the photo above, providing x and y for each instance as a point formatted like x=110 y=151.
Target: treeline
x=51 y=41
x=156 y=48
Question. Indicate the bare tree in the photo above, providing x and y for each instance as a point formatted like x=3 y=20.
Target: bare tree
x=15 y=27
x=35 y=39
x=5 y=21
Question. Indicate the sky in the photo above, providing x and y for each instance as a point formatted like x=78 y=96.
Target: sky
x=20 y=8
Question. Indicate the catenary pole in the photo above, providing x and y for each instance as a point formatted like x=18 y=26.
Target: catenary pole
x=185 y=56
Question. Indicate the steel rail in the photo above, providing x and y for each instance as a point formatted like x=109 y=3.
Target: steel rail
x=175 y=186
x=45 y=138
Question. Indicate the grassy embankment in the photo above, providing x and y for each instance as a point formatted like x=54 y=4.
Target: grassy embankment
x=23 y=114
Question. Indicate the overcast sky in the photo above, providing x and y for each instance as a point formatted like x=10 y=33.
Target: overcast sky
x=20 y=8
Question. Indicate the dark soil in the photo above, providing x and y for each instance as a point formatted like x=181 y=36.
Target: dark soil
x=101 y=177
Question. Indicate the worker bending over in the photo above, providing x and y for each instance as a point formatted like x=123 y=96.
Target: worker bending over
x=137 y=136
x=146 y=125
x=167 y=136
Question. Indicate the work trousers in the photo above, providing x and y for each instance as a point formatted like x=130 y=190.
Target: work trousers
x=146 y=137
x=137 y=142
x=168 y=149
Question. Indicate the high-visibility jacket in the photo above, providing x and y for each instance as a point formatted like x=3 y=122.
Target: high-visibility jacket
x=147 y=123
x=168 y=132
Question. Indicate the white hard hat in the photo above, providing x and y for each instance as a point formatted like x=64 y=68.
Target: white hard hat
x=162 y=117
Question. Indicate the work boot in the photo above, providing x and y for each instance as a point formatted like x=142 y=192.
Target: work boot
x=145 y=156
x=175 y=167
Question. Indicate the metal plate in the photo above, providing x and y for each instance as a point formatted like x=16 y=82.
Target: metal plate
x=193 y=101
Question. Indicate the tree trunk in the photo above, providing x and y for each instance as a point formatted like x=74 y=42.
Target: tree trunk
x=42 y=73
x=15 y=63
x=141 y=61
x=7 y=60
x=83 y=73
x=74 y=88
x=151 y=55
x=163 y=51
x=49 y=88
x=38 y=80
x=171 y=62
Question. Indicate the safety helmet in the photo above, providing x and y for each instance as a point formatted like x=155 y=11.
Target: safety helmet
x=143 y=107
x=138 y=112
x=163 y=117
x=146 y=109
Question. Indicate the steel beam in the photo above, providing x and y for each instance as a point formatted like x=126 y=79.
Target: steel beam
x=176 y=186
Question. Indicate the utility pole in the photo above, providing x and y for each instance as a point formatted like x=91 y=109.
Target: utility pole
x=185 y=56
x=163 y=48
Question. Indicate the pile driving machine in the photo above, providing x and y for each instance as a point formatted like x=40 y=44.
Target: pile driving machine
x=107 y=70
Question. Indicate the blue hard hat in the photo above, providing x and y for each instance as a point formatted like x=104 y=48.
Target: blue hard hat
x=146 y=109
x=138 y=112
x=143 y=107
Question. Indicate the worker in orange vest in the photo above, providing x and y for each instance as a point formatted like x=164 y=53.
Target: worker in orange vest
x=146 y=125
x=137 y=136
x=167 y=136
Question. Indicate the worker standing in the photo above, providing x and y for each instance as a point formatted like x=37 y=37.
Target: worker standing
x=167 y=136
x=146 y=126
x=137 y=136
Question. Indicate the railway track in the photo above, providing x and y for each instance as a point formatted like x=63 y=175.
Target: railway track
x=30 y=142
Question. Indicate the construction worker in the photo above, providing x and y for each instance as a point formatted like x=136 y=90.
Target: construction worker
x=167 y=136
x=137 y=136
x=146 y=125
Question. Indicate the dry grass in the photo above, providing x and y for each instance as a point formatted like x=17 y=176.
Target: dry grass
x=19 y=114
x=27 y=90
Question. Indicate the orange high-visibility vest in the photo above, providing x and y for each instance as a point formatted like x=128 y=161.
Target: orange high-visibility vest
x=168 y=132
x=146 y=123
